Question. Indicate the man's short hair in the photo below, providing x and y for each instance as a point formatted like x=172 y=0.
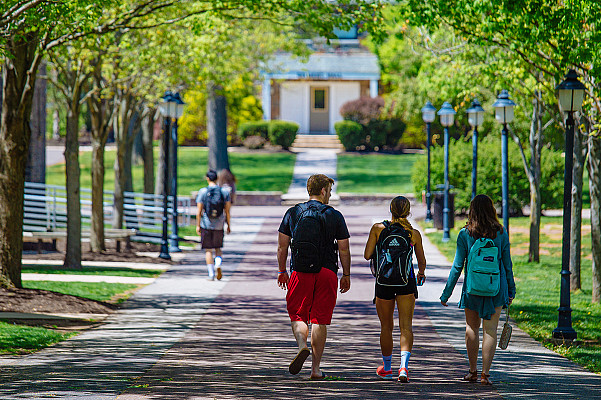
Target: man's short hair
x=212 y=175
x=317 y=182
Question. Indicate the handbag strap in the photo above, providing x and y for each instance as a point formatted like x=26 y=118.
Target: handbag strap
x=507 y=314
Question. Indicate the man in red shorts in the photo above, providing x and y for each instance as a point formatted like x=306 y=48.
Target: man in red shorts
x=315 y=232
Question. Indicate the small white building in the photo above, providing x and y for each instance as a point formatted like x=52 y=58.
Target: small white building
x=311 y=93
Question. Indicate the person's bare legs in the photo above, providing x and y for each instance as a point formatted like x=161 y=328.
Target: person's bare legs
x=385 y=309
x=300 y=330
x=218 y=273
x=489 y=340
x=406 y=306
x=472 y=337
x=209 y=256
x=319 y=334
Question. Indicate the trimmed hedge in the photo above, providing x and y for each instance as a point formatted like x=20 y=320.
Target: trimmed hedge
x=350 y=134
x=373 y=136
x=489 y=174
x=254 y=128
x=282 y=133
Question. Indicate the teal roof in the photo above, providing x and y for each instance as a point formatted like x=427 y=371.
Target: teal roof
x=355 y=66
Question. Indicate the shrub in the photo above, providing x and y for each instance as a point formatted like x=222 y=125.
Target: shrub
x=489 y=174
x=350 y=134
x=254 y=128
x=395 y=128
x=363 y=110
x=282 y=133
x=254 y=142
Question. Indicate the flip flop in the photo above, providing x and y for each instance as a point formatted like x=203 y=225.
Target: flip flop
x=318 y=378
x=299 y=360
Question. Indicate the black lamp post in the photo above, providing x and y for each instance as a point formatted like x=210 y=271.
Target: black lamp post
x=447 y=116
x=475 y=117
x=175 y=113
x=428 y=115
x=570 y=95
x=166 y=105
x=504 y=115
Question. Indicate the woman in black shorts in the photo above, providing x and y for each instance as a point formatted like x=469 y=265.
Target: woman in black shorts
x=403 y=296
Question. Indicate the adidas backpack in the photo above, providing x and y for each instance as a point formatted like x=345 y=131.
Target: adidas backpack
x=308 y=243
x=392 y=261
x=214 y=202
x=483 y=268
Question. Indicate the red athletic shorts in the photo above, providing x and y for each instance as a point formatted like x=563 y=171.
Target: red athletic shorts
x=312 y=297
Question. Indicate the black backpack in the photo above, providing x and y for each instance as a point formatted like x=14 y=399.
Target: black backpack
x=309 y=236
x=214 y=202
x=392 y=263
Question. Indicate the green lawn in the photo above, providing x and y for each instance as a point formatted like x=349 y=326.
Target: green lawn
x=254 y=171
x=538 y=287
x=100 y=291
x=56 y=269
x=375 y=173
x=26 y=339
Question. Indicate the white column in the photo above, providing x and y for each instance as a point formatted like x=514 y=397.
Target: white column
x=373 y=88
x=266 y=98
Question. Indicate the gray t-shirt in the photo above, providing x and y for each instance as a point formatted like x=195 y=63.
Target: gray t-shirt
x=215 y=224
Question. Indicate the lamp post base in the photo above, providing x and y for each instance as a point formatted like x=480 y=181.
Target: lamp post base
x=564 y=333
x=174 y=245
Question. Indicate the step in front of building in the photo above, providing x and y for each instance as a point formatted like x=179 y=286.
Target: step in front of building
x=325 y=141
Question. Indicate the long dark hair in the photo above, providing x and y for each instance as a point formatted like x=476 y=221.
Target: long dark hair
x=482 y=221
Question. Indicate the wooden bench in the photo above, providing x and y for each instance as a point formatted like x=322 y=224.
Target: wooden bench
x=117 y=234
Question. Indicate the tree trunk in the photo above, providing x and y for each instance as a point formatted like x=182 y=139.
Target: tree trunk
x=534 y=176
x=158 y=187
x=217 y=129
x=97 y=233
x=36 y=165
x=56 y=123
x=147 y=130
x=576 y=223
x=100 y=118
x=594 y=173
x=120 y=127
x=18 y=83
x=73 y=247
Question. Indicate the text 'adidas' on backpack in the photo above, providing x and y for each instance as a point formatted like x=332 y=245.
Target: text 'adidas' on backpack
x=309 y=238
x=214 y=202
x=393 y=256
x=483 y=268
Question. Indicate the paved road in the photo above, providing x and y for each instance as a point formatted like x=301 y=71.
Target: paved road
x=184 y=337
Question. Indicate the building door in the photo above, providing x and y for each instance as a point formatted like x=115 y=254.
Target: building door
x=319 y=118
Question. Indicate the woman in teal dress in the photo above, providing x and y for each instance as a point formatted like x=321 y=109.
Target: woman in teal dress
x=482 y=223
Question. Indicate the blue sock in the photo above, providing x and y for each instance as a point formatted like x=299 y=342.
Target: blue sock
x=405 y=359
x=387 y=362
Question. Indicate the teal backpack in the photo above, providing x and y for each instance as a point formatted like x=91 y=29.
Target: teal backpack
x=483 y=268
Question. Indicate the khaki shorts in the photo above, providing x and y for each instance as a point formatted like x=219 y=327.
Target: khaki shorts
x=211 y=239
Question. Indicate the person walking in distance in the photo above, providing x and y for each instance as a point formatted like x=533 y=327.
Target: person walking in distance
x=488 y=285
x=213 y=212
x=390 y=246
x=315 y=232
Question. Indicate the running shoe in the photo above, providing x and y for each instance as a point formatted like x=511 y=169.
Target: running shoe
x=403 y=375
x=384 y=374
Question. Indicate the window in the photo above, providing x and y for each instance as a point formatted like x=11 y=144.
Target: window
x=319 y=99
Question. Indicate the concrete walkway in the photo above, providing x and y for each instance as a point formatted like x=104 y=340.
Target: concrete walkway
x=309 y=162
x=184 y=337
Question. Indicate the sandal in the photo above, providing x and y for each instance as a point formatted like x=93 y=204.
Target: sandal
x=484 y=379
x=299 y=360
x=472 y=376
